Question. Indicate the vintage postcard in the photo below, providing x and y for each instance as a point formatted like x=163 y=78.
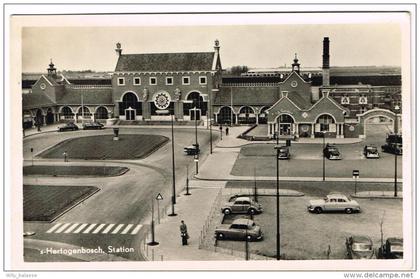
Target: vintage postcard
x=267 y=140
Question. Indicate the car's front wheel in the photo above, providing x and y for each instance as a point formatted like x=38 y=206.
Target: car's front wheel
x=318 y=210
x=348 y=210
x=227 y=211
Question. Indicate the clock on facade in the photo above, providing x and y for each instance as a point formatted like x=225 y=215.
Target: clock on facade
x=42 y=86
x=294 y=83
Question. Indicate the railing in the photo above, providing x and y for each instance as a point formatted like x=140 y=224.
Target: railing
x=250 y=84
x=89 y=86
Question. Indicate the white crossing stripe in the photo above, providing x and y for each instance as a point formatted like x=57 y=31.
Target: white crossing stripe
x=89 y=228
x=79 y=229
x=127 y=229
x=98 y=228
x=136 y=229
x=71 y=228
x=62 y=228
x=117 y=228
x=108 y=228
x=54 y=227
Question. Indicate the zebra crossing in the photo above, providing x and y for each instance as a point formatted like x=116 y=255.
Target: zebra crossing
x=85 y=228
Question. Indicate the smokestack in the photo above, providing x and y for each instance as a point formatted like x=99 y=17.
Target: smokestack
x=326 y=62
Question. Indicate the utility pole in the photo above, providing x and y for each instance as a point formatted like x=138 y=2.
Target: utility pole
x=173 y=169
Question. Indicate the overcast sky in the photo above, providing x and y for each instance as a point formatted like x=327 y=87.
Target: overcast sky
x=82 y=48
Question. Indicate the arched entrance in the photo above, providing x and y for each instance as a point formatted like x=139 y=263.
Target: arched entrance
x=50 y=116
x=66 y=113
x=83 y=113
x=195 y=106
x=285 y=124
x=39 y=118
x=262 y=116
x=226 y=116
x=377 y=123
x=325 y=126
x=130 y=107
x=101 y=113
x=246 y=115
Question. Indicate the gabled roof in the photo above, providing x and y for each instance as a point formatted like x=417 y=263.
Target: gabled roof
x=165 y=62
x=73 y=96
x=36 y=100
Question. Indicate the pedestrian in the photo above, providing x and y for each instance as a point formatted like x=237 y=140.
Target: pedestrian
x=65 y=156
x=184 y=233
x=227 y=131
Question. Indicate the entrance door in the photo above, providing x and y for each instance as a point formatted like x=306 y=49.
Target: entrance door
x=196 y=114
x=285 y=129
x=130 y=114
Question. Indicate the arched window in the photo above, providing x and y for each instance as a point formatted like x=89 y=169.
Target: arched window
x=246 y=115
x=225 y=116
x=195 y=100
x=130 y=100
x=101 y=113
x=86 y=112
x=326 y=123
x=67 y=113
x=262 y=116
x=285 y=118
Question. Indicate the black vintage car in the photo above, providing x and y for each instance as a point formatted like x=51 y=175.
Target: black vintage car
x=68 y=127
x=392 y=249
x=393 y=148
x=331 y=152
x=192 y=149
x=370 y=151
x=93 y=126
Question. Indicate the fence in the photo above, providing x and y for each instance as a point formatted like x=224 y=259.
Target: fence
x=212 y=219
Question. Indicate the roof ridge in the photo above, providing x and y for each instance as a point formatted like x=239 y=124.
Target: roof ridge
x=160 y=53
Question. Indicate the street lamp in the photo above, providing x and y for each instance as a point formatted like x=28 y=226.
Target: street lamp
x=195 y=120
x=395 y=154
x=323 y=155
x=153 y=242
x=277 y=147
x=173 y=169
x=187 y=184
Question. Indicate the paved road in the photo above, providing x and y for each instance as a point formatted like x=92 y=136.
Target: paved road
x=306 y=159
x=122 y=201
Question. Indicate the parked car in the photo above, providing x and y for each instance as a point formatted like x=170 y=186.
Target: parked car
x=392 y=249
x=242 y=205
x=331 y=152
x=192 y=149
x=393 y=148
x=333 y=203
x=93 y=126
x=284 y=153
x=371 y=152
x=68 y=127
x=359 y=247
x=240 y=229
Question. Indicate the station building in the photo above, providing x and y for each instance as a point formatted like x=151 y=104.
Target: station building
x=151 y=88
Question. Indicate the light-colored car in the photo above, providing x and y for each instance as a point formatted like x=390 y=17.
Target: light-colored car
x=242 y=205
x=334 y=202
x=240 y=229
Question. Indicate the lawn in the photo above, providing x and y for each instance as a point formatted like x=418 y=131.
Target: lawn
x=105 y=148
x=54 y=170
x=306 y=236
x=46 y=203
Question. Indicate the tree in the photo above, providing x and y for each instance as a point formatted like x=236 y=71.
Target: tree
x=237 y=70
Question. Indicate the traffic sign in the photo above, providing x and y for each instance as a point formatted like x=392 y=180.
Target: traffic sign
x=159 y=197
x=355 y=172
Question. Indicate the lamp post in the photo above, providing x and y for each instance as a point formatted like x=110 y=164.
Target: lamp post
x=153 y=242
x=277 y=204
x=323 y=155
x=187 y=184
x=195 y=120
x=211 y=135
x=395 y=154
x=173 y=169
x=196 y=163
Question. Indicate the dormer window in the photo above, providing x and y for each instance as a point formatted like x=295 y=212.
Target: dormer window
x=345 y=100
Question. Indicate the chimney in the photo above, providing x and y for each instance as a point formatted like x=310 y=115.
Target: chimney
x=118 y=50
x=326 y=62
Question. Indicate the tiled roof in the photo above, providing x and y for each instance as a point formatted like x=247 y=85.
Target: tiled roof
x=193 y=61
x=73 y=96
x=247 y=96
x=36 y=100
x=299 y=101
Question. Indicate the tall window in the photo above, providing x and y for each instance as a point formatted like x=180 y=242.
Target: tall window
x=101 y=113
x=67 y=113
x=324 y=122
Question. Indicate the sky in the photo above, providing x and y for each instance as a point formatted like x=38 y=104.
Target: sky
x=256 y=46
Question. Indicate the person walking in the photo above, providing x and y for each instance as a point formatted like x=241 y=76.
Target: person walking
x=184 y=233
x=65 y=156
x=227 y=131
